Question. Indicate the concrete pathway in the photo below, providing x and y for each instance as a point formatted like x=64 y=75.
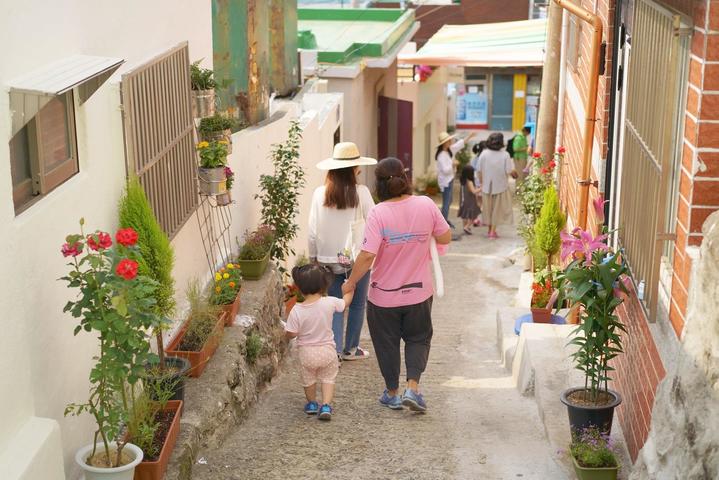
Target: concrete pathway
x=478 y=425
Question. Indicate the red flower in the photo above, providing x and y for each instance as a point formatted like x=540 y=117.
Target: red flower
x=99 y=240
x=544 y=170
x=127 y=269
x=552 y=164
x=71 y=250
x=126 y=237
x=561 y=150
x=537 y=155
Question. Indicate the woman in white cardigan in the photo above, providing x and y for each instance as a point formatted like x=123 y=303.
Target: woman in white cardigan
x=335 y=205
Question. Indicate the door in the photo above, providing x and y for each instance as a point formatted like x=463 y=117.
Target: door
x=394 y=135
x=502 y=102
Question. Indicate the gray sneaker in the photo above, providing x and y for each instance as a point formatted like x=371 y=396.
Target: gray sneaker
x=414 y=401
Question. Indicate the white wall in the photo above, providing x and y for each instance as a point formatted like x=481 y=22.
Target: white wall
x=429 y=105
x=42 y=366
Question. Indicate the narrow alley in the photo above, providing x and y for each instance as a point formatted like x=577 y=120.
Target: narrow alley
x=478 y=425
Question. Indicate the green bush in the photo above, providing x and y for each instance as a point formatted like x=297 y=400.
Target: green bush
x=551 y=221
x=201 y=78
x=217 y=123
x=253 y=346
x=158 y=258
x=202 y=319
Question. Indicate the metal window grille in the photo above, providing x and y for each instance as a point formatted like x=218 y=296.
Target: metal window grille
x=159 y=135
x=651 y=131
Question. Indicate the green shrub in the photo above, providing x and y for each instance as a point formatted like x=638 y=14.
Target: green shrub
x=201 y=78
x=257 y=244
x=592 y=449
x=202 y=319
x=551 y=221
x=158 y=258
x=217 y=123
x=253 y=346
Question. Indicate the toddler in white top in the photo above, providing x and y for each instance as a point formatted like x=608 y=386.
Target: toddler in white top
x=311 y=323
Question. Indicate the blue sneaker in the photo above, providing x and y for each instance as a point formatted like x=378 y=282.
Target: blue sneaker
x=395 y=403
x=312 y=408
x=325 y=412
x=414 y=401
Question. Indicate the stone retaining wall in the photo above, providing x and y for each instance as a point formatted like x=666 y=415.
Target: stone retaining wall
x=220 y=399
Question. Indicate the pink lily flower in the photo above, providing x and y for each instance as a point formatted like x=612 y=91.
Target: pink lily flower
x=581 y=244
x=598 y=204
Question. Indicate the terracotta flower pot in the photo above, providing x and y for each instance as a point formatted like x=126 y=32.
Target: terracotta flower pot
x=586 y=473
x=542 y=315
x=231 y=310
x=289 y=304
x=198 y=360
x=155 y=470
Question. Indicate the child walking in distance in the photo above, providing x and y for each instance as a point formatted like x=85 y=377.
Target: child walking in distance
x=468 y=208
x=311 y=323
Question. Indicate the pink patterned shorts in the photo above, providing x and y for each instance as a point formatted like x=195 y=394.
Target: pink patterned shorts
x=318 y=364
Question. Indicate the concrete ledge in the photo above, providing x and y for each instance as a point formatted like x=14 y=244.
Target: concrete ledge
x=35 y=452
x=221 y=398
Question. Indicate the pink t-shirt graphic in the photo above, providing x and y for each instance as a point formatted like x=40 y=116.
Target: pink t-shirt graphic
x=399 y=234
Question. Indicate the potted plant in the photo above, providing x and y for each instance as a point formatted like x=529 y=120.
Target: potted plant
x=292 y=293
x=226 y=197
x=203 y=84
x=156 y=261
x=531 y=198
x=218 y=127
x=593 y=456
x=200 y=336
x=211 y=172
x=596 y=280
x=543 y=296
x=153 y=426
x=432 y=187
x=118 y=306
x=255 y=252
x=280 y=193
x=550 y=223
x=226 y=291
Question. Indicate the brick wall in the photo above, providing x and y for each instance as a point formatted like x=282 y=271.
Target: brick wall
x=699 y=182
x=639 y=370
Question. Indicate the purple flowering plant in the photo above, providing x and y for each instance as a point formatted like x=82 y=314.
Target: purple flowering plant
x=596 y=278
x=593 y=449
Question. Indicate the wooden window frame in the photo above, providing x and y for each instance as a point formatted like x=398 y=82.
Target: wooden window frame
x=41 y=182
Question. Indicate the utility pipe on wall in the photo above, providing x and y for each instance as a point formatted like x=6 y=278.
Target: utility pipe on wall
x=588 y=141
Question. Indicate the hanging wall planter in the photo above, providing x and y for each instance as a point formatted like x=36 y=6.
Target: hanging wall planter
x=224 y=199
x=203 y=103
x=212 y=180
x=123 y=472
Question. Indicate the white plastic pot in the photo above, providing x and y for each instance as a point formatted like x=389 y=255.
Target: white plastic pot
x=125 y=472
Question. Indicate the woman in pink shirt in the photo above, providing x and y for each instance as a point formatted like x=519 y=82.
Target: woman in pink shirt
x=397 y=241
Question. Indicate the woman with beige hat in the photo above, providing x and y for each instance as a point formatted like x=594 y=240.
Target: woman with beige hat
x=447 y=148
x=337 y=206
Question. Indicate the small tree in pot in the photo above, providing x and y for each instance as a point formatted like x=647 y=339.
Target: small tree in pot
x=280 y=193
x=118 y=306
x=596 y=279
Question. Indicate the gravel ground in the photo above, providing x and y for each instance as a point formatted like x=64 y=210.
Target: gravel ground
x=478 y=425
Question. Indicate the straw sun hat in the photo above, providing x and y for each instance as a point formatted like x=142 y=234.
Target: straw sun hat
x=346 y=154
x=443 y=137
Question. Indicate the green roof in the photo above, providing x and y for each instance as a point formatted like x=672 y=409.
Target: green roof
x=344 y=35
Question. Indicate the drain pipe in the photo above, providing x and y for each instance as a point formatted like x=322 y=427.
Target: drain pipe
x=596 y=59
x=558 y=139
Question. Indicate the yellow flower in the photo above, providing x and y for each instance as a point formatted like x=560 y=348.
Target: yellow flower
x=218 y=277
x=226 y=276
x=223 y=142
x=218 y=289
x=203 y=144
x=230 y=266
x=232 y=284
